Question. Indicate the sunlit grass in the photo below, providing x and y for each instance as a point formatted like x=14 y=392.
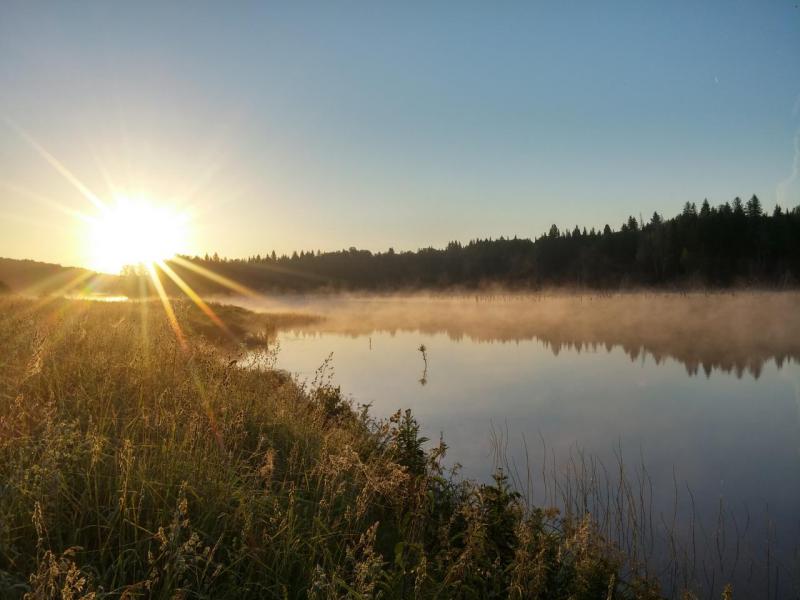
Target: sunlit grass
x=136 y=465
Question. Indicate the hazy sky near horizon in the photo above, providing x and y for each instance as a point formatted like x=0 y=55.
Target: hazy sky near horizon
x=335 y=124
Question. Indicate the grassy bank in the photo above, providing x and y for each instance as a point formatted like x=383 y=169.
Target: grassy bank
x=134 y=466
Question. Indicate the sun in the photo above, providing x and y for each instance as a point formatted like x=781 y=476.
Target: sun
x=133 y=232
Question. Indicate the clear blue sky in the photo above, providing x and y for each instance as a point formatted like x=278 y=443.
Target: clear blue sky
x=334 y=124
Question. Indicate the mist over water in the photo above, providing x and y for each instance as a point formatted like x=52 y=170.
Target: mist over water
x=736 y=332
x=698 y=395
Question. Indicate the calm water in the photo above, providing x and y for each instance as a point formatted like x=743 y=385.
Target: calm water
x=698 y=396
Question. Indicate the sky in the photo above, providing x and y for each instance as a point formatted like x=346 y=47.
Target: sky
x=375 y=124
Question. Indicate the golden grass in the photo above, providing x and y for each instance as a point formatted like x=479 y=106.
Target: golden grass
x=131 y=468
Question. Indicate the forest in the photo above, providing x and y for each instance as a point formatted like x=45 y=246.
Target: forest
x=735 y=243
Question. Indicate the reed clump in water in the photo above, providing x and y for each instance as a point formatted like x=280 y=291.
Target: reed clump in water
x=691 y=557
x=135 y=466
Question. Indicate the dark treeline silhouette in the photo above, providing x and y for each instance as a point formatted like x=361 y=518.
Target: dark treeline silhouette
x=734 y=243
x=36 y=278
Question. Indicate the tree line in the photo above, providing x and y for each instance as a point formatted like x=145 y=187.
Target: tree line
x=735 y=243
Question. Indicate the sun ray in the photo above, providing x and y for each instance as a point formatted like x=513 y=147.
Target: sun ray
x=111 y=185
x=53 y=296
x=58 y=166
x=162 y=294
x=196 y=380
x=43 y=285
x=229 y=283
x=144 y=304
x=201 y=304
x=292 y=272
x=44 y=201
x=114 y=226
x=36 y=223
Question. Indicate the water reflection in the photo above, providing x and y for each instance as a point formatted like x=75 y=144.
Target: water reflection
x=733 y=333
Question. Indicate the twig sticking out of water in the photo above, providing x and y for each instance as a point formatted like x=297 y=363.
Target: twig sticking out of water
x=424 y=351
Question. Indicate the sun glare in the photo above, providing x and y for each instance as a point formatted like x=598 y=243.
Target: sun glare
x=133 y=232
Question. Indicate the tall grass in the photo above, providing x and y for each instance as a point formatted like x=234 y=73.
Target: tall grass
x=131 y=467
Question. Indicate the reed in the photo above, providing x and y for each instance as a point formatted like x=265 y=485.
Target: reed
x=659 y=531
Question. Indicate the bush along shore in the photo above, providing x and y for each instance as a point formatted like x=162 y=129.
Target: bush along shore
x=137 y=465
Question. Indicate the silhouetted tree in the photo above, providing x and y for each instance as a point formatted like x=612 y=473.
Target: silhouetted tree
x=753 y=209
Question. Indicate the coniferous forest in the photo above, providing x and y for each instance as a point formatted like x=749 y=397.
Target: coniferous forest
x=736 y=243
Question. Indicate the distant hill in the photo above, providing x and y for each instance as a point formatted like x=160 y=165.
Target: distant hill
x=33 y=277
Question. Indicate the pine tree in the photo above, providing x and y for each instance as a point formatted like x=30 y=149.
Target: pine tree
x=753 y=209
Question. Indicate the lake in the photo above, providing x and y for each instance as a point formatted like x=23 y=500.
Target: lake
x=673 y=418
